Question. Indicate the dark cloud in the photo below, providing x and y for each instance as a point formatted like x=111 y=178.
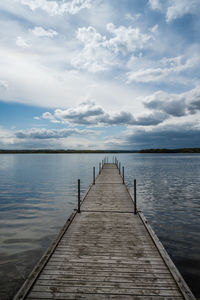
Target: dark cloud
x=151 y=119
x=176 y=108
x=176 y=105
x=194 y=106
x=126 y=118
x=120 y=118
x=164 y=137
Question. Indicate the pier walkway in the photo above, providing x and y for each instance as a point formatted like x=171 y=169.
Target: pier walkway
x=106 y=252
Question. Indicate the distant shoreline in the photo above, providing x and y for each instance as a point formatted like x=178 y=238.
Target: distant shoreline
x=62 y=151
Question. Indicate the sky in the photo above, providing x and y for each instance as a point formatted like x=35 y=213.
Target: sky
x=99 y=74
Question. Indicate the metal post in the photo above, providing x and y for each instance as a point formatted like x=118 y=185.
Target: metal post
x=93 y=175
x=119 y=168
x=135 y=200
x=123 y=174
x=79 y=196
x=102 y=163
x=99 y=168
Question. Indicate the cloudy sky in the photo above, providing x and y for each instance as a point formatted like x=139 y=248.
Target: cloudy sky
x=99 y=74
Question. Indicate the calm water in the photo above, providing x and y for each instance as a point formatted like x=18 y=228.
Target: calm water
x=38 y=193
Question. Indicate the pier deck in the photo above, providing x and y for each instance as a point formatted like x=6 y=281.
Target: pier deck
x=106 y=252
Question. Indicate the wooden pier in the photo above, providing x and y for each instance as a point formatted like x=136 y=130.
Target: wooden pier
x=106 y=252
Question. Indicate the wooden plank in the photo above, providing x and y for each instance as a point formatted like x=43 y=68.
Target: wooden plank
x=134 y=260
x=103 y=290
x=105 y=284
x=122 y=270
x=79 y=296
x=96 y=274
x=113 y=278
x=112 y=284
x=113 y=253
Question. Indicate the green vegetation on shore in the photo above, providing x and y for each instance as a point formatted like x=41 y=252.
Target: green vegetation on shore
x=26 y=151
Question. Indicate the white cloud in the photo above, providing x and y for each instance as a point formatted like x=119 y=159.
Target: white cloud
x=41 y=32
x=89 y=36
x=6 y=137
x=133 y=18
x=154 y=29
x=50 y=117
x=126 y=39
x=99 y=52
x=174 y=9
x=147 y=75
x=166 y=68
x=93 y=57
x=179 y=8
x=21 y=42
x=54 y=8
x=4 y=85
x=155 y=4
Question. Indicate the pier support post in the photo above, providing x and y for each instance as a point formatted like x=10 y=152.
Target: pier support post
x=119 y=168
x=79 y=196
x=93 y=175
x=123 y=174
x=99 y=168
x=135 y=199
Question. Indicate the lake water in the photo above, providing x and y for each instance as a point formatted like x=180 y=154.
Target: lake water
x=39 y=191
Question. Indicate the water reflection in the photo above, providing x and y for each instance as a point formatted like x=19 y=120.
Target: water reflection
x=38 y=193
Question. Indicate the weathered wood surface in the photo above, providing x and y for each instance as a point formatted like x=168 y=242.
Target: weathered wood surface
x=107 y=252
